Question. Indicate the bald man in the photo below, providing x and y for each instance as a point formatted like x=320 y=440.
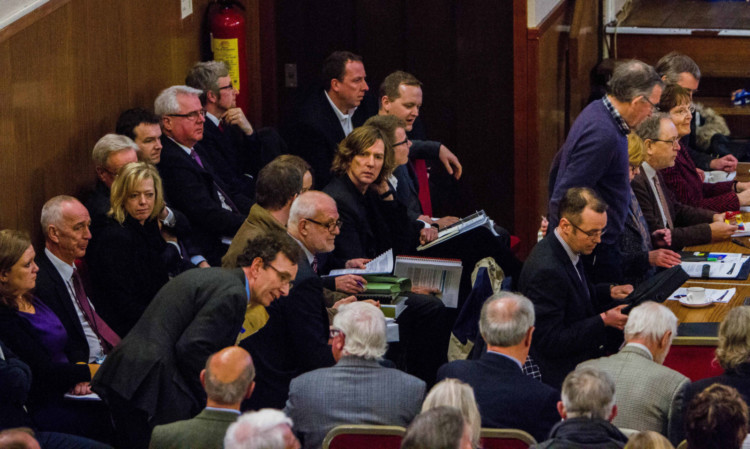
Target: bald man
x=228 y=380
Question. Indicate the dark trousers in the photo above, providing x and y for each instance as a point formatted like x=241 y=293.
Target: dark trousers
x=89 y=419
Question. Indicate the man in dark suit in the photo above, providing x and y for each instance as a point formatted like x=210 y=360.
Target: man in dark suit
x=227 y=379
x=65 y=224
x=357 y=390
x=215 y=211
x=507 y=398
x=689 y=225
x=152 y=377
x=295 y=339
x=571 y=313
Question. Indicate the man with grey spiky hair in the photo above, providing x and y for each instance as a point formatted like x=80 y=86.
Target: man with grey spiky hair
x=651 y=395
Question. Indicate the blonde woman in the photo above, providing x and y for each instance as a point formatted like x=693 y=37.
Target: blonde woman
x=648 y=439
x=457 y=394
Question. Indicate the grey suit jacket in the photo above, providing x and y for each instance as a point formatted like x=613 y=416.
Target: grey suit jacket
x=205 y=431
x=649 y=396
x=354 y=391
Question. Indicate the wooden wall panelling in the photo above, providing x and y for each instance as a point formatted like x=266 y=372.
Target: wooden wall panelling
x=524 y=208
x=584 y=54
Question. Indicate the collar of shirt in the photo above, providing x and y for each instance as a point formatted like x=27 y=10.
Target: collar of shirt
x=648 y=170
x=184 y=148
x=573 y=256
x=228 y=410
x=213 y=118
x=308 y=254
x=622 y=125
x=638 y=345
x=65 y=270
x=343 y=118
x=520 y=366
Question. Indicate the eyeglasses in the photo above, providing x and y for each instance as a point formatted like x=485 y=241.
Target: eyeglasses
x=590 y=234
x=333 y=332
x=229 y=86
x=284 y=277
x=330 y=226
x=674 y=142
x=402 y=142
x=684 y=110
x=653 y=106
x=192 y=116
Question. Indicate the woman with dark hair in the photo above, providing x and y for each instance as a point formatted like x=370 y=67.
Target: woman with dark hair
x=716 y=418
x=130 y=260
x=685 y=179
x=33 y=332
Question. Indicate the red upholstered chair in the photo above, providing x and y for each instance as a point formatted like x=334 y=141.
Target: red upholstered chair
x=364 y=437
x=505 y=439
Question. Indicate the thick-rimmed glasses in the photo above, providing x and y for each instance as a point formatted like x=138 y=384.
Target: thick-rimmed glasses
x=284 y=277
x=330 y=226
x=653 y=106
x=674 y=142
x=591 y=234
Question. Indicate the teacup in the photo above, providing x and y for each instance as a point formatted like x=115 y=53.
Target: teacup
x=696 y=295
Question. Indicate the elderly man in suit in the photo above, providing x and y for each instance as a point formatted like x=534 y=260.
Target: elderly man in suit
x=572 y=314
x=65 y=224
x=214 y=209
x=649 y=395
x=507 y=398
x=152 y=377
x=689 y=225
x=227 y=379
x=357 y=390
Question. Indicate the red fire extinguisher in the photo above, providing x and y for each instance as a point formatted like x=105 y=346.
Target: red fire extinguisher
x=227 y=27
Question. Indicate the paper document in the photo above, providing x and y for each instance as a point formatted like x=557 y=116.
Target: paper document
x=718 y=270
x=380 y=265
x=85 y=397
x=715 y=176
x=715 y=295
x=443 y=275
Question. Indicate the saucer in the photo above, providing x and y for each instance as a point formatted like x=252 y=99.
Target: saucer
x=694 y=305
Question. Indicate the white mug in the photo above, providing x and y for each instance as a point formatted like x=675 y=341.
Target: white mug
x=696 y=295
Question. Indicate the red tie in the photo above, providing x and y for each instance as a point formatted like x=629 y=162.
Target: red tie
x=106 y=335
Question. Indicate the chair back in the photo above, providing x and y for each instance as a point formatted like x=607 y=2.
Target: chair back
x=362 y=436
x=505 y=439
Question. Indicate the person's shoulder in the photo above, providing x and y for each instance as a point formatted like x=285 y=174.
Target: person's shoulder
x=456 y=368
x=404 y=379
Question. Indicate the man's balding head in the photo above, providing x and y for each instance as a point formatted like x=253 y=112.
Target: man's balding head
x=228 y=377
x=311 y=218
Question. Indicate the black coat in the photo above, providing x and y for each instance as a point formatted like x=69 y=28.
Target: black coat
x=569 y=329
x=15 y=382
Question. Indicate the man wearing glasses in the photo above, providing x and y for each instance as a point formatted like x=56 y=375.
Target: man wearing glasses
x=689 y=225
x=576 y=320
x=295 y=339
x=214 y=209
x=153 y=376
x=595 y=155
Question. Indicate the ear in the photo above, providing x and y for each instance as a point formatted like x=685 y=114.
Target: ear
x=250 y=390
x=166 y=123
x=211 y=97
x=256 y=266
x=665 y=339
x=203 y=378
x=335 y=84
x=385 y=103
x=527 y=339
x=52 y=234
x=101 y=173
x=4 y=276
x=561 y=410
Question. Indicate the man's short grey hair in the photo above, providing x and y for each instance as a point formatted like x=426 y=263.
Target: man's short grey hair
x=588 y=392
x=632 y=79
x=437 y=428
x=52 y=211
x=307 y=205
x=205 y=76
x=363 y=326
x=650 y=128
x=166 y=103
x=228 y=392
x=671 y=65
x=651 y=321
x=263 y=429
x=111 y=143
x=505 y=319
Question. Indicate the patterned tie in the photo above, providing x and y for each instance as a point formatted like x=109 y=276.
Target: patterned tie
x=223 y=197
x=107 y=337
x=314 y=264
x=636 y=214
x=663 y=201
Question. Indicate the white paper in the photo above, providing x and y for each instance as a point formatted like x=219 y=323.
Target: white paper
x=85 y=397
x=714 y=295
x=715 y=176
x=718 y=270
x=379 y=265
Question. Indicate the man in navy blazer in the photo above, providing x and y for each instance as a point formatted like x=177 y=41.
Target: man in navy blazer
x=507 y=398
x=571 y=313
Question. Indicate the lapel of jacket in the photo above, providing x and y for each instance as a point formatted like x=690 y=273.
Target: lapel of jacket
x=61 y=289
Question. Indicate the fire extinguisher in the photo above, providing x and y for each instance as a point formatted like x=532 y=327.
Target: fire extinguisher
x=227 y=28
